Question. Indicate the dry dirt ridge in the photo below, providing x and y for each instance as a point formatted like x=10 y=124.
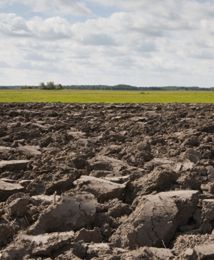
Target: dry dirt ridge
x=106 y=181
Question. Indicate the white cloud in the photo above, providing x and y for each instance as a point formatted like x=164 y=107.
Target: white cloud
x=13 y=25
x=142 y=42
x=54 y=27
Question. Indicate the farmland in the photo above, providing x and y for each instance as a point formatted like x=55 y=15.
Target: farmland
x=106 y=181
x=99 y=96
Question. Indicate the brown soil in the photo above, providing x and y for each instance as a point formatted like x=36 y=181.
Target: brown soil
x=106 y=181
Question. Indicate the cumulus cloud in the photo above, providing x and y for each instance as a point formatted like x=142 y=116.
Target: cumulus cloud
x=54 y=27
x=13 y=25
x=37 y=27
x=141 y=42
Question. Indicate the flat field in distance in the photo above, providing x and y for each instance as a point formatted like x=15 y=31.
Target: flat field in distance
x=101 y=96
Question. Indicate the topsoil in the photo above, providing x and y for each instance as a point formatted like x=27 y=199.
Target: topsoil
x=106 y=181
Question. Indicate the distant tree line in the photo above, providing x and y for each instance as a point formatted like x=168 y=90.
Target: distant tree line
x=45 y=86
x=52 y=86
x=134 y=88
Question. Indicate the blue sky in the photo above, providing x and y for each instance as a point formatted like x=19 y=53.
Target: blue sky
x=138 y=42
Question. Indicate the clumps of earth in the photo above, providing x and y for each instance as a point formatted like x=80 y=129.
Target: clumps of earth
x=113 y=182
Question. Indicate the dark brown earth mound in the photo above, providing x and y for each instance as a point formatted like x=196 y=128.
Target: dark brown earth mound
x=106 y=181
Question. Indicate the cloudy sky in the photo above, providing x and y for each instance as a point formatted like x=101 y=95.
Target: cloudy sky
x=138 y=42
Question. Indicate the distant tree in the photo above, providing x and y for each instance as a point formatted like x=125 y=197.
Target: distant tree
x=50 y=86
x=42 y=85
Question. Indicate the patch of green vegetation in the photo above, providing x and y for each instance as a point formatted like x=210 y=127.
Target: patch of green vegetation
x=101 y=96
